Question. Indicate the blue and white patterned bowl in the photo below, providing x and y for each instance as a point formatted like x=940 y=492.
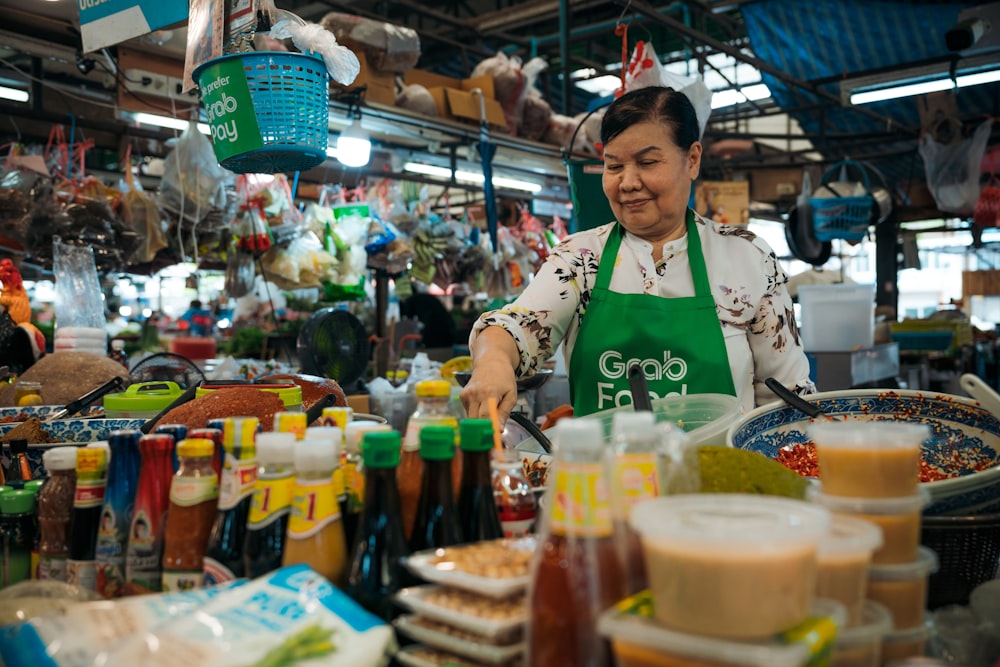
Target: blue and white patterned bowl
x=8 y=415
x=956 y=422
x=67 y=432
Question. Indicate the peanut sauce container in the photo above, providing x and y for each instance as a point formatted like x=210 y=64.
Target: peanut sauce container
x=845 y=553
x=732 y=566
x=869 y=459
x=860 y=645
x=902 y=588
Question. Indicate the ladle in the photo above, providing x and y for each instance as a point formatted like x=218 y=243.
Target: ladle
x=793 y=399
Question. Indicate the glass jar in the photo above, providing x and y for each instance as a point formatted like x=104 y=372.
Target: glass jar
x=27 y=393
x=514 y=495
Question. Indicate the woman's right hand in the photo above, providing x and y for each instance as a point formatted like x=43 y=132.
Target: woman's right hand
x=490 y=380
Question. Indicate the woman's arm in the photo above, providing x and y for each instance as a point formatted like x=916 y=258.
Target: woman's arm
x=493 y=377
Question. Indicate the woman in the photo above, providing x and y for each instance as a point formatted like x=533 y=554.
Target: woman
x=701 y=307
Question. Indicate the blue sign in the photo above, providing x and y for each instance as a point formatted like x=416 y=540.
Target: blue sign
x=107 y=22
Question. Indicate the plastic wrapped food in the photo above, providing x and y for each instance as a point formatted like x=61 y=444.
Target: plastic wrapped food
x=31 y=599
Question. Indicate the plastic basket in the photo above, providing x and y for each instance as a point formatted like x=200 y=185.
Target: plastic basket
x=844 y=218
x=916 y=334
x=268 y=110
x=968 y=549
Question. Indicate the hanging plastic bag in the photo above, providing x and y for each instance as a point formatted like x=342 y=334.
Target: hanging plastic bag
x=644 y=70
x=142 y=215
x=341 y=62
x=78 y=300
x=952 y=169
x=240 y=273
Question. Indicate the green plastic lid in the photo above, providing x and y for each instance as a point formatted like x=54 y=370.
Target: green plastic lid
x=437 y=443
x=5 y=489
x=34 y=485
x=17 y=501
x=143 y=396
x=380 y=449
x=475 y=435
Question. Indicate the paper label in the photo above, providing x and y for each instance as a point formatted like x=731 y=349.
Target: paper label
x=177 y=581
x=314 y=505
x=214 y=573
x=188 y=491
x=52 y=568
x=635 y=479
x=89 y=493
x=82 y=573
x=272 y=499
x=580 y=501
x=237 y=482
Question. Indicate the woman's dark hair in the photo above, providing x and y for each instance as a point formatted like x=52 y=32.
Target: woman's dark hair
x=652 y=104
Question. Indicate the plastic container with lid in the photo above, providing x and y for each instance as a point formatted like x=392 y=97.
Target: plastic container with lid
x=715 y=561
x=290 y=394
x=860 y=644
x=899 y=519
x=901 y=644
x=844 y=556
x=902 y=588
x=869 y=459
x=639 y=641
x=142 y=400
x=837 y=318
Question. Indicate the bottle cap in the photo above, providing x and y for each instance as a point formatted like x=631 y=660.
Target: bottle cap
x=275 y=447
x=437 y=443
x=629 y=423
x=580 y=434
x=117 y=344
x=475 y=435
x=34 y=485
x=381 y=449
x=195 y=447
x=316 y=454
x=327 y=433
x=433 y=388
x=17 y=501
x=355 y=431
x=59 y=458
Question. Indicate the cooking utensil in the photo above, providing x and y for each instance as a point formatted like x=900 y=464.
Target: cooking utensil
x=315 y=411
x=114 y=384
x=975 y=387
x=180 y=400
x=639 y=388
x=793 y=399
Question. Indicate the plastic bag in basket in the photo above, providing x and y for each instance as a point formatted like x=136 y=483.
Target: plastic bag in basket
x=644 y=70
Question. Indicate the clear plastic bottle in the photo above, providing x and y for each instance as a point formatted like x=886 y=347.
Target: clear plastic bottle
x=267 y=522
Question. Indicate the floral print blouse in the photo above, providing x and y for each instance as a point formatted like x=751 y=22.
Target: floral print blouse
x=754 y=308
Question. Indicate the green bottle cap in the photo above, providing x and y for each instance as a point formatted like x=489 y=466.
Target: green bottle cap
x=380 y=449
x=17 y=501
x=475 y=435
x=5 y=489
x=34 y=485
x=437 y=443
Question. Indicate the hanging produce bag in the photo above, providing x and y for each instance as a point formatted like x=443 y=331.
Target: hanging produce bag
x=952 y=169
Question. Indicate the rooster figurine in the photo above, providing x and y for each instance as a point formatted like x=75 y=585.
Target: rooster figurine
x=21 y=343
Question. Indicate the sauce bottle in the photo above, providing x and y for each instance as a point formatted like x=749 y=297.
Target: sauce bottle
x=354 y=475
x=91 y=483
x=17 y=535
x=19 y=470
x=116 y=515
x=632 y=468
x=178 y=432
x=224 y=553
x=33 y=486
x=194 y=496
x=513 y=494
x=315 y=532
x=577 y=544
x=436 y=523
x=432 y=410
x=215 y=435
x=271 y=503
x=144 y=549
x=377 y=570
x=55 y=512
x=477 y=510
x=291 y=422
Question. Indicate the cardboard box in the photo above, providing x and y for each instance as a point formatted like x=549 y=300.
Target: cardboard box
x=456 y=99
x=776 y=184
x=381 y=86
x=724 y=201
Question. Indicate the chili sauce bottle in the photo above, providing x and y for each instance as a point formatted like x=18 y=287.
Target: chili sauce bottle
x=116 y=515
x=377 y=570
x=271 y=503
x=315 y=532
x=224 y=554
x=144 y=550
x=194 y=497
x=91 y=483
x=577 y=544
x=55 y=512
x=436 y=522
x=477 y=510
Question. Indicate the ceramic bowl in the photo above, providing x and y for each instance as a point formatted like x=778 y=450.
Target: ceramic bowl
x=67 y=432
x=8 y=415
x=956 y=422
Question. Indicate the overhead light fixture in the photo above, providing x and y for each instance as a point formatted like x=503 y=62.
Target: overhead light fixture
x=14 y=94
x=471 y=177
x=170 y=123
x=354 y=146
x=918 y=81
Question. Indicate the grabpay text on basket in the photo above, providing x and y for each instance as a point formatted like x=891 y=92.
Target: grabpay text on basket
x=221 y=130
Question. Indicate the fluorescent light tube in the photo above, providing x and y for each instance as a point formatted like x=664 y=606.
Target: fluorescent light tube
x=471 y=177
x=171 y=123
x=13 y=94
x=893 y=92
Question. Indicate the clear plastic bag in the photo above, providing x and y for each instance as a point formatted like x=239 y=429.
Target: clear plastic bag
x=78 y=290
x=952 y=169
x=644 y=70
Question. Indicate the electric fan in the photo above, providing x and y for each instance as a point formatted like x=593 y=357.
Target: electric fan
x=334 y=344
x=167 y=367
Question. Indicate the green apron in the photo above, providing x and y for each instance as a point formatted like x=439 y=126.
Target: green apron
x=677 y=342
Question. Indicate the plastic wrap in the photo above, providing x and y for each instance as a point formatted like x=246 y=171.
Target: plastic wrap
x=341 y=62
x=78 y=290
x=953 y=169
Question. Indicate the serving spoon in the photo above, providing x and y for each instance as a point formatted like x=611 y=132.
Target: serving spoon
x=794 y=400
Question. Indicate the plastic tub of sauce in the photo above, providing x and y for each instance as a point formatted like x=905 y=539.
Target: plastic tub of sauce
x=903 y=588
x=290 y=394
x=142 y=400
x=869 y=459
x=898 y=645
x=844 y=556
x=860 y=645
x=734 y=566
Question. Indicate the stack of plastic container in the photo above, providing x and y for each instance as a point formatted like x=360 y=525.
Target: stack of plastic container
x=81 y=339
x=869 y=472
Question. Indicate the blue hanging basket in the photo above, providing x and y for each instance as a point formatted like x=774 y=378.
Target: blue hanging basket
x=846 y=217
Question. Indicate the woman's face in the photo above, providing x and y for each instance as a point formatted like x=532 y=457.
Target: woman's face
x=647 y=180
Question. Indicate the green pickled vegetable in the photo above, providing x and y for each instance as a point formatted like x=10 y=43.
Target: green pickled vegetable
x=310 y=642
x=730 y=470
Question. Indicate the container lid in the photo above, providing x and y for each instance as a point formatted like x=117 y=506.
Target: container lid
x=848 y=504
x=730 y=521
x=437 y=443
x=632 y=621
x=355 y=431
x=868 y=434
x=330 y=433
x=59 y=458
x=849 y=535
x=144 y=396
x=33 y=485
x=195 y=447
x=275 y=447
x=875 y=623
x=5 y=489
x=579 y=434
x=17 y=501
x=475 y=435
x=381 y=449
x=926 y=564
x=908 y=635
x=630 y=424
x=437 y=388
x=316 y=454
